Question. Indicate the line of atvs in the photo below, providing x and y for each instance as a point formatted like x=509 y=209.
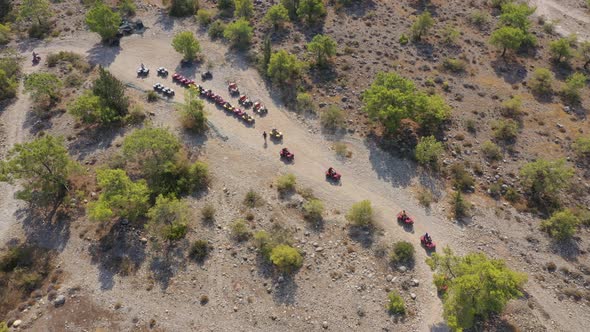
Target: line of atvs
x=425 y=239
x=222 y=103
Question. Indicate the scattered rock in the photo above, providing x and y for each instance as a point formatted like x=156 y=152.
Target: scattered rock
x=325 y=324
x=17 y=323
x=413 y=296
x=319 y=249
x=143 y=240
x=59 y=300
x=402 y=268
x=389 y=277
x=415 y=282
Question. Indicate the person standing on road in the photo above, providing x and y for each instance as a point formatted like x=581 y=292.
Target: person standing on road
x=264 y=135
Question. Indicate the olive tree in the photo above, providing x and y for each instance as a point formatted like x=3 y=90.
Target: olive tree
x=239 y=33
x=506 y=38
x=323 y=47
x=545 y=179
x=186 y=44
x=102 y=20
x=283 y=68
x=276 y=16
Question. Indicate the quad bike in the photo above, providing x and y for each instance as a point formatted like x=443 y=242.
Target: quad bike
x=275 y=134
x=333 y=175
x=162 y=72
x=406 y=220
x=206 y=75
x=245 y=102
x=143 y=71
x=285 y=154
x=168 y=92
x=233 y=89
x=238 y=112
x=247 y=118
x=176 y=77
x=259 y=108
x=228 y=107
x=158 y=87
x=429 y=245
x=36 y=58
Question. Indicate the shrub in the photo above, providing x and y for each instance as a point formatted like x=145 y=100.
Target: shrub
x=311 y=10
x=168 y=218
x=511 y=107
x=43 y=86
x=573 y=85
x=8 y=86
x=252 y=199
x=396 y=304
x=422 y=25
x=361 y=214
x=542 y=81
x=225 y=5
x=505 y=130
x=332 y=118
x=313 y=209
x=73 y=80
x=4 y=34
x=582 y=147
x=286 y=258
x=152 y=96
x=208 y=213
x=199 y=250
x=243 y=8
x=88 y=108
x=127 y=7
x=403 y=39
x=450 y=35
x=341 y=150
x=562 y=225
x=304 y=102
x=491 y=151
x=428 y=150
x=425 y=197
x=276 y=16
x=181 y=8
x=264 y=242
x=403 y=252
x=204 y=17
x=544 y=179
x=286 y=183
x=240 y=230
x=239 y=33
x=216 y=29
x=561 y=50
x=462 y=180
x=193 y=116
x=460 y=206
x=479 y=18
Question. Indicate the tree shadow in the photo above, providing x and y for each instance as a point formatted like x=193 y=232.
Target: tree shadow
x=562 y=70
x=168 y=263
x=358 y=8
x=364 y=235
x=512 y=72
x=165 y=21
x=102 y=54
x=48 y=230
x=424 y=49
x=439 y=327
x=399 y=172
x=94 y=138
x=285 y=290
x=323 y=75
x=567 y=249
x=188 y=69
x=119 y=252
x=238 y=59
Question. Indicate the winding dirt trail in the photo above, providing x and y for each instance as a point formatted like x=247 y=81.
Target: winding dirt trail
x=568 y=20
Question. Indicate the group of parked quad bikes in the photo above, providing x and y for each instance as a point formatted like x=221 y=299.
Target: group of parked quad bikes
x=259 y=109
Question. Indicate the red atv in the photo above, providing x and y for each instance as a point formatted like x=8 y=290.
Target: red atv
x=287 y=155
x=331 y=174
x=404 y=219
x=176 y=77
x=427 y=243
x=233 y=89
x=259 y=108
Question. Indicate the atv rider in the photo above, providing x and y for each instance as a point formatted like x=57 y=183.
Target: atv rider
x=331 y=171
x=35 y=55
x=285 y=152
x=427 y=238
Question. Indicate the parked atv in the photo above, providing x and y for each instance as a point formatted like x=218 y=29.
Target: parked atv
x=176 y=77
x=233 y=89
x=332 y=175
x=244 y=101
x=248 y=118
x=143 y=70
x=259 y=108
x=158 y=87
x=405 y=219
x=206 y=75
x=285 y=154
x=275 y=134
x=163 y=72
x=427 y=243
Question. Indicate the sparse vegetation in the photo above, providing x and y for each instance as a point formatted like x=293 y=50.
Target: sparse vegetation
x=286 y=183
x=562 y=225
x=199 y=250
x=361 y=214
x=240 y=230
x=402 y=253
x=396 y=304
x=428 y=151
x=491 y=151
x=332 y=118
x=286 y=258
x=542 y=81
x=313 y=209
x=425 y=197
x=252 y=199
x=582 y=147
x=479 y=18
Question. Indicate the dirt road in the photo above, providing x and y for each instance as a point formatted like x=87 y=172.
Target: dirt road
x=569 y=17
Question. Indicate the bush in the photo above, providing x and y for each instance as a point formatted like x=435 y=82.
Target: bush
x=74 y=80
x=4 y=34
x=243 y=8
x=304 y=102
x=454 y=65
x=545 y=179
x=168 y=218
x=361 y=214
x=182 y=8
x=193 y=116
x=425 y=197
x=252 y=199
x=152 y=96
x=311 y=10
x=8 y=86
x=479 y=18
x=208 y=213
x=403 y=252
x=505 y=130
x=204 y=17
x=460 y=206
x=216 y=29
x=286 y=258
x=403 y=39
x=313 y=209
x=491 y=151
x=199 y=250
x=582 y=147
x=428 y=150
x=562 y=225
x=573 y=85
x=542 y=81
x=561 y=50
x=76 y=60
x=462 y=180
x=511 y=107
x=186 y=44
x=286 y=183
x=239 y=33
x=396 y=305
x=332 y=118
x=422 y=25
x=240 y=230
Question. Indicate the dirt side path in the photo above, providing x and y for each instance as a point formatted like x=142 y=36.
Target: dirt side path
x=569 y=16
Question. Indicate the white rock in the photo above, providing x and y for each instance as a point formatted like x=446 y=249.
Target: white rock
x=17 y=323
x=59 y=300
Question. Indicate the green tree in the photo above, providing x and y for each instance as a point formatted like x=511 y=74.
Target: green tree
x=102 y=20
x=561 y=50
x=193 y=115
x=582 y=147
x=286 y=258
x=204 y=17
x=542 y=81
x=243 y=9
x=392 y=98
x=4 y=34
x=544 y=179
x=168 y=218
x=422 y=25
x=477 y=286
x=111 y=92
x=361 y=214
x=119 y=196
x=8 y=86
x=516 y=15
x=428 y=150
x=88 y=108
x=38 y=12
x=44 y=166
x=239 y=33
x=283 y=68
x=562 y=225
x=313 y=209
x=573 y=85
x=396 y=304
x=276 y=16
x=186 y=44
x=323 y=47
x=127 y=7
x=291 y=6
x=225 y=5
x=584 y=53
x=507 y=38
x=43 y=86
x=267 y=52
x=311 y=10
x=181 y=8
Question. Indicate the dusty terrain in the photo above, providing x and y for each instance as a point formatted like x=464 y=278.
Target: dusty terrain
x=342 y=282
